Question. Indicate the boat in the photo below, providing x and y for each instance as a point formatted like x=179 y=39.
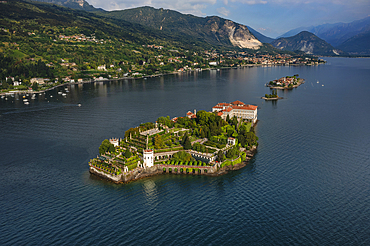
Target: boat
x=63 y=94
x=25 y=100
x=317 y=82
x=2 y=97
x=24 y=96
x=51 y=95
x=79 y=104
x=59 y=92
x=26 y=103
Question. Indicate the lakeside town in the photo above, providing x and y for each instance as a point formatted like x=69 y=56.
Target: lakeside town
x=204 y=143
x=164 y=60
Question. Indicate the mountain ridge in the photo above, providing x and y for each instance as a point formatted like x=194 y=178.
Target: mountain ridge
x=308 y=43
x=339 y=33
x=212 y=29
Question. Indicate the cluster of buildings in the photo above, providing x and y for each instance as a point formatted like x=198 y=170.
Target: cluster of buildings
x=284 y=81
x=81 y=38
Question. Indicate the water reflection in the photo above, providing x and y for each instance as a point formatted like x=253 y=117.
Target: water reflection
x=150 y=190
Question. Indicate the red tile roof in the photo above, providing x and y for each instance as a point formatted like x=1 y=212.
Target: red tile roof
x=238 y=103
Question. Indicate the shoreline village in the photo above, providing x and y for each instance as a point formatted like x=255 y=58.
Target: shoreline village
x=200 y=143
x=288 y=82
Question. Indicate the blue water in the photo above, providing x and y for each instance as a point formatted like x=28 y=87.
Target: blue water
x=308 y=184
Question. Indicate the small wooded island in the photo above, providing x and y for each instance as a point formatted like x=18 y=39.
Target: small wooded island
x=288 y=82
x=272 y=96
x=201 y=143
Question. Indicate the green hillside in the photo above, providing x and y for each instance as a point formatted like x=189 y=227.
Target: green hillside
x=45 y=40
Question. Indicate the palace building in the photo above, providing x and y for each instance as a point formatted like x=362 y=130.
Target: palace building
x=238 y=109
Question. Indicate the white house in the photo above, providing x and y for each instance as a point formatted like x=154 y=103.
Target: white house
x=17 y=83
x=102 y=67
x=231 y=141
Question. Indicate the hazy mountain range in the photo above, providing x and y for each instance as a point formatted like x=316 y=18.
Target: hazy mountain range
x=327 y=39
x=351 y=37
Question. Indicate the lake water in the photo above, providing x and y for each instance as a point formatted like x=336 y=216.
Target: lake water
x=309 y=183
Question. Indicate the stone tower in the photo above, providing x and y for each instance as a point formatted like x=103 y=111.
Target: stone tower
x=148 y=156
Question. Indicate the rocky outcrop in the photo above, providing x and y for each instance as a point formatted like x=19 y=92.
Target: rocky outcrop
x=240 y=36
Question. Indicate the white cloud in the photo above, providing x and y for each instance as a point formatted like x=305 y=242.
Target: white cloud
x=226 y=2
x=194 y=7
x=223 y=11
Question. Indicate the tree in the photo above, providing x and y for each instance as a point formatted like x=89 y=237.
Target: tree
x=106 y=146
x=202 y=117
x=220 y=156
x=182 y=156
x=186 y=142
x=158 y=142
x=35 y=86
x=233 y=152
x=127 y=153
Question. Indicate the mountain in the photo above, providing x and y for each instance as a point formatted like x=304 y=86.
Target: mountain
x=336 y=33
x=357 y=45
x=260 y=36
x=308 y=43
x=73 y=4
x=213 y=30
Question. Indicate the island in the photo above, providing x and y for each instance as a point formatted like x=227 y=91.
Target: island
x=288 y=82
x=200 y=143
x=272 y=96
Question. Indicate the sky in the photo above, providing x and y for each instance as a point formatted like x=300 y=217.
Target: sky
x=270 y=17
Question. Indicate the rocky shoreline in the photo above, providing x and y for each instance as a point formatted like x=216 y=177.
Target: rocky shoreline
x=140 y=173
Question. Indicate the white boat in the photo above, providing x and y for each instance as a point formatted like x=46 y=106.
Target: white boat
x=317 y=82
x=79 y=104
x=26 y=103
x=51 y=95
x=2 y=97
x=59 y=92
x=63 y=94
x=25 y=100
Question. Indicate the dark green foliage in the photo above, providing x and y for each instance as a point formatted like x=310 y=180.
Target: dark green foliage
x=35 y=86
x=186 y=142
x=273 y=93
x=106 y=146
x=233 y=152
x=182 y=156
x=220 y=156
x=199 y=147
x=127 y=153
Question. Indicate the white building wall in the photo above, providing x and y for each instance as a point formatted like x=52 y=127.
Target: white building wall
x=148 y=157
